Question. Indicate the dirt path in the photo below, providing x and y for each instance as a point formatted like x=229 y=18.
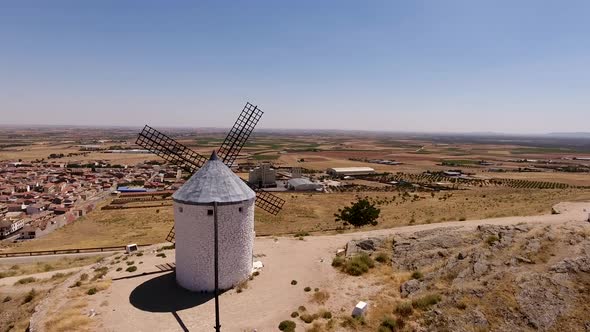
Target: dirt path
x=152 y=303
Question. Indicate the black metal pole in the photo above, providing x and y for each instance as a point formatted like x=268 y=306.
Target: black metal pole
x=217 y=325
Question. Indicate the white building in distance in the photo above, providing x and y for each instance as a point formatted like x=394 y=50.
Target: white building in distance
x=263 y=176
x=350 y=171
x=194 y=231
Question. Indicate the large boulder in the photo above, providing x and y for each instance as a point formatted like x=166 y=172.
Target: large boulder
x=409 y=287
x=367 y=246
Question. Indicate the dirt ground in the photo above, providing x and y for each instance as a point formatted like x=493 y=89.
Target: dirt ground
x=148 y=300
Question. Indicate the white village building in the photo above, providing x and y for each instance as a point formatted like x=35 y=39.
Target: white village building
x=194 y=228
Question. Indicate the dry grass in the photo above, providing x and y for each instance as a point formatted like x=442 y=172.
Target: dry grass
x=9 y=270
x=320 y=297
x=314 y=212
x=70 y=319
x=307 y=213
x=107 y=228
x=16 y=312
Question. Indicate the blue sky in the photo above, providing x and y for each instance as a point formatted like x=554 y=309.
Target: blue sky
x=458 y=66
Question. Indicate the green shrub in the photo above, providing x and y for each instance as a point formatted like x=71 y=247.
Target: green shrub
x=417 y=275
x=293 y=282
x=119 y=269
x=307 y=289
x=91 y=291
x=426 y=301
x=57 y=276
x=404 y=308
x=302 y=308
x=139 y=254
x=256 y=273
x=30 y=296
x=163 y=255
x=358 y=265
x=462 y=219
x=352 y=322
x=131 y=269
x=366 y=259
x=24 y=281
x=308 y=318
x=7 y=299
x=462 y=305
x=325 y=314
x=388 y=324
x=382 y=257
x=294 y=314
x=170 y=247
x=287 y=326
x=338 y=261
x=100 y=272
x=492 y=239
x=129 y=263
x=301 y=234
x=84 y=277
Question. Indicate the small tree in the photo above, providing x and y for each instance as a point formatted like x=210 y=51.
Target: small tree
x=360 y=213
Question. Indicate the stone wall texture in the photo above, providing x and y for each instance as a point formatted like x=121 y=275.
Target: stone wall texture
x=195 y=245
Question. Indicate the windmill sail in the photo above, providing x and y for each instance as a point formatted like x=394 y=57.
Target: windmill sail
x=238 y=135
x=169 y=149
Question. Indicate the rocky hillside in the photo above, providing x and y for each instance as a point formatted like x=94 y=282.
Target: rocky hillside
x=498 y=278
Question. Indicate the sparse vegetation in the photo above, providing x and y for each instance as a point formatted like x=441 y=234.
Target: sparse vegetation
x=294 y=314
x=92 y=291
x=320 y=297
x=338 y=261
x=382 y=257
x=360 y=213
x=417 y=275
x=287 y=326
x=308 y=318
x=307 y=289
x=25 y=281
x=30 y=296
x=163 y=255
x=490 y=240
x=358 y=264
x=388 y=324
x=404 y=308
x=426 y=301
x=131 y=269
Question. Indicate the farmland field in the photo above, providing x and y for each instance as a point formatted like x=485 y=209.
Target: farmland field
x=520 y=178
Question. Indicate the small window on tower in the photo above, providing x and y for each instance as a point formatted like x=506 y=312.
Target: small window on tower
x=180 y=209
x=209 y=212
x=240 y=209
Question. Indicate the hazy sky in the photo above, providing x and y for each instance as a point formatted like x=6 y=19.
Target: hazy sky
x=504 y=66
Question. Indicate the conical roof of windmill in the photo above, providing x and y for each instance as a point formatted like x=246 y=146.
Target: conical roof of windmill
x=214 y=182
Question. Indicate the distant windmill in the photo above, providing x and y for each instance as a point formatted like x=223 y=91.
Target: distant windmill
x=176 y=153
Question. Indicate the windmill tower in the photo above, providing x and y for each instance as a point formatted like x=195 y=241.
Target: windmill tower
x=213 y=192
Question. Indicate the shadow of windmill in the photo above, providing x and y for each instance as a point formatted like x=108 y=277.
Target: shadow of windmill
x=162 y=294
